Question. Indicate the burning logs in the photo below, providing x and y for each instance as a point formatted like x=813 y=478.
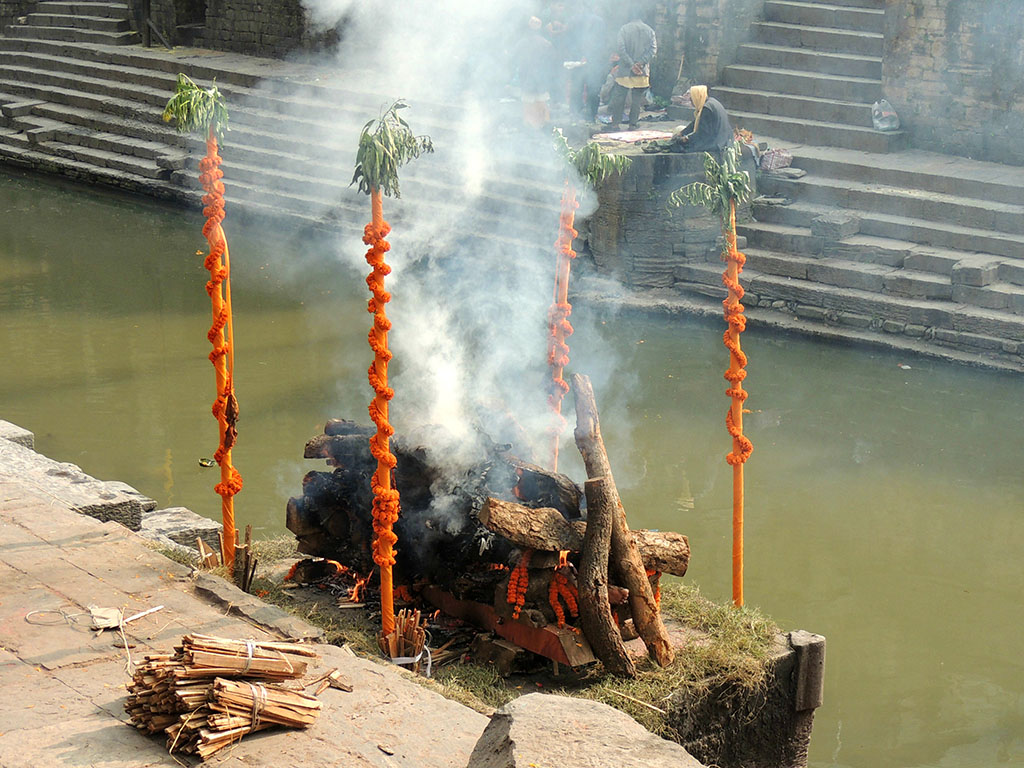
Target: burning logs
x=212 y=691
x=545 y=529
x=496 y=537
x=624 y=551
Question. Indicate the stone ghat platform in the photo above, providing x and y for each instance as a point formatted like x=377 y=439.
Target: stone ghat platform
x=65 y=685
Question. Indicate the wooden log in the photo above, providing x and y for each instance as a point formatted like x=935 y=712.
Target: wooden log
x=624 y=551
x=595 y=610
x=546 y=530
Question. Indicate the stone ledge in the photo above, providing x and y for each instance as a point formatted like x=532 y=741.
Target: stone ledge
x=17 y=435
x=69 y=485
x=180 y=526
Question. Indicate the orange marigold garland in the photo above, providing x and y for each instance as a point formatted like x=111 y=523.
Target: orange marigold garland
x=518 y=581
x=741 y=446
x=221 y=336
x=385 y=497
x=559 y=327
x=561 y=588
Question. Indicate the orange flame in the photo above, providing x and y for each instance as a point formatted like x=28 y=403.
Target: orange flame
x=403 y=593
x=356 y=592
x=515 y=488
x=563 y=558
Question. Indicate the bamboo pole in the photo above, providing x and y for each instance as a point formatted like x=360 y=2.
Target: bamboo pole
x=386 y=500
x=559 y=326
x=221 y=336
x=741 y=446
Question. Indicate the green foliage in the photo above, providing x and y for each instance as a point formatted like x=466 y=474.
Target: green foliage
x=198 y=109
x=725 y=184
x=385 y=145
x=589 y=161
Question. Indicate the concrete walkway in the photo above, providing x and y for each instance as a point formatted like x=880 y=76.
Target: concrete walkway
x=64 y=686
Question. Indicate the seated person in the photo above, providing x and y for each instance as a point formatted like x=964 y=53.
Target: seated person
x=710 y=129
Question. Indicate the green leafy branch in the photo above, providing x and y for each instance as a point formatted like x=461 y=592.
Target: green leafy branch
x=385 y=145
x=197 y=109
x=589 y=161
x=725 y=184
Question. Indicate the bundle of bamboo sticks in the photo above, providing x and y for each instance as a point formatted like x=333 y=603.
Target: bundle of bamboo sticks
x=197 y=694
x=406 y=641
x=235 y=708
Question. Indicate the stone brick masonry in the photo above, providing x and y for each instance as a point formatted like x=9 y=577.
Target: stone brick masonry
x=954 y=71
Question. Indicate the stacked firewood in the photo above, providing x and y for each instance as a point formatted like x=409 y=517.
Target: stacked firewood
x=212 y=691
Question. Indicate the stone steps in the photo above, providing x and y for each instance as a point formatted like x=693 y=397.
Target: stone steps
x=81 y=8
x=822 y=110
x=825 y=15
x=818 y=132
x=970 y=327
x=912 y=202
x=810 y=75
x=60 y=159
x=822 y=39
x=916 y=169
x=106 y=24
x=809 y=60
x=288 y=153
x=797 y=83
x=945 y=235
x=71 y=35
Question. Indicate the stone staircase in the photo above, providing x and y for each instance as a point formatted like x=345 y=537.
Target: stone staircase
x=93 y=112
x=79 y=21
x=811 y=74
x=914 y=245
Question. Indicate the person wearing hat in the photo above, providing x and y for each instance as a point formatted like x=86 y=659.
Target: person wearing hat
x=636 y=47
x=710 y=130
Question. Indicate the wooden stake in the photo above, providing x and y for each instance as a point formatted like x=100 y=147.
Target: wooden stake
x=623 y=550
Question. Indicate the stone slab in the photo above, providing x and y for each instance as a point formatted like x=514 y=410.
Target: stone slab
x=181 y=526
x=68 y=485
x=16 y=434
x=545 y=730
x=64 y=686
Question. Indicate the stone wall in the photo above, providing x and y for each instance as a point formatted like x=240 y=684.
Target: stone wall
x=273 y=28
x=270 y=28
x=954 y=71
x=12 y=9
x=702 y=34
x=634 y=236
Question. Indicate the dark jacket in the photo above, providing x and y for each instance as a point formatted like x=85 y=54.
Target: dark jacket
x=714 y=131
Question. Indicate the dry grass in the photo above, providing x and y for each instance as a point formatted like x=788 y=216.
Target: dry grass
x=730 y=651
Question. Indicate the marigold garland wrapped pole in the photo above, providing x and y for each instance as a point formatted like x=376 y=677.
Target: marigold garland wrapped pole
x=385 y=144
x=592 y=165
x=202 y=110
x=726 y=186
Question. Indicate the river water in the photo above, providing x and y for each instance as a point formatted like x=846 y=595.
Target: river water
x=885 y=507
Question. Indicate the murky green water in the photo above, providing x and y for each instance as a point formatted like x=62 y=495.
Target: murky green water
x=885 y=507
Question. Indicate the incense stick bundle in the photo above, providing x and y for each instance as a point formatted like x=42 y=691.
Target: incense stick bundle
x=407 y=641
